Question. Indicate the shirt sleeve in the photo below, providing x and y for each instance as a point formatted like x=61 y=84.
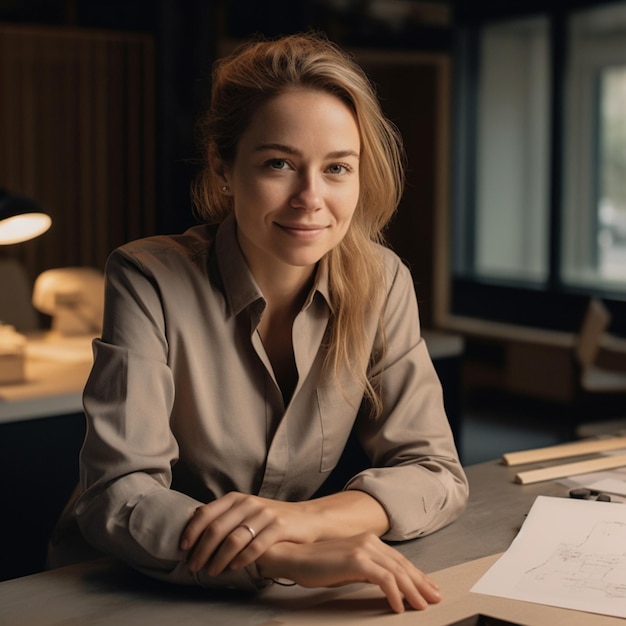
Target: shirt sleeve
x=127 y=508
x=416 y=474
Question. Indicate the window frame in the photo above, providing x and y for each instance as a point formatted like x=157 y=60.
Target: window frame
x=583 y=127
x=554 y=305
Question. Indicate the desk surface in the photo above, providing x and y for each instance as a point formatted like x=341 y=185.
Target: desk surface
x=104 y=592
x=56 y=370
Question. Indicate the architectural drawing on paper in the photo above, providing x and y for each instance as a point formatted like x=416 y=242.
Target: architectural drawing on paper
x=596 y=566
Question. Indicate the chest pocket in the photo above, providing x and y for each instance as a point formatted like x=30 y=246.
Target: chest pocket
x=338 y=408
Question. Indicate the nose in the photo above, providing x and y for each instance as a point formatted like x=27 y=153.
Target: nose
x=307 y=194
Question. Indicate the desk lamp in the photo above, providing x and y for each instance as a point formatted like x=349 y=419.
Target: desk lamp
x=20 y=219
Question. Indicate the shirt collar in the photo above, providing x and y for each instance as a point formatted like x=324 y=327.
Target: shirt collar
x=321 y=285
x=239 y=285
x=240 y=288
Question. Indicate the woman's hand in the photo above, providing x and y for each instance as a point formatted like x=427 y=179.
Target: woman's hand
x=236 y=529
x=219 y=532
x=362 y=558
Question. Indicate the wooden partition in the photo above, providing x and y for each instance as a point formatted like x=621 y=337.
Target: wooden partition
x=414 y=89
x=77 y=136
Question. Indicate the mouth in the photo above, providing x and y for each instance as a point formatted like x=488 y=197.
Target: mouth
x=302 y=231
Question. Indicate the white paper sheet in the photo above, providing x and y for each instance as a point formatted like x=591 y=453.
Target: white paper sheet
x=569 y=553
x=610 y=486
x=612 y=482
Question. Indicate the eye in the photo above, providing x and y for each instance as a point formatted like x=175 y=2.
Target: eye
x=336 y=169
x=277 y=164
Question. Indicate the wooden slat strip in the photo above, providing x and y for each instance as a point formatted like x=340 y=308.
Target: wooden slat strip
x=570 y=469
x=576 y=448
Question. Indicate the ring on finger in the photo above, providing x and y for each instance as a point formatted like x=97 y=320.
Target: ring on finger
x=249 y=529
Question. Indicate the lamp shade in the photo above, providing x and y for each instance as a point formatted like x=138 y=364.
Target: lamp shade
x=20 y=219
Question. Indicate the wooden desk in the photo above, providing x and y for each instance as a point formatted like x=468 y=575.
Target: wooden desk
x=56 y=369
x=104 y=592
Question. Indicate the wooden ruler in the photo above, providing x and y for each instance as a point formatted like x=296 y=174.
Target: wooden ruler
x=576 y=448
x=570 y=469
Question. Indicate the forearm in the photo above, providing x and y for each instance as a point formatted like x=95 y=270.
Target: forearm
x=345 y=514
x=145 y=533
x=419 y=498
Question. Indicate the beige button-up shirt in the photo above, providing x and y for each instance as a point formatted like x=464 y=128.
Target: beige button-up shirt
x=182 y=405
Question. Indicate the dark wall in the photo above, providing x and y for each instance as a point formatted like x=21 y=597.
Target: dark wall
x=186 y=33
x=184 y=37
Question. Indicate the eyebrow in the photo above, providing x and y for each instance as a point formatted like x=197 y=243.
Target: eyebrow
x=337 y=154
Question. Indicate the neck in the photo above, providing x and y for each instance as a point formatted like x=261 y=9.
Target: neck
x=284 y=301
x=285 y=289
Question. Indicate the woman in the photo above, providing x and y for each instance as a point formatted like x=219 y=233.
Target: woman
x=237 y=358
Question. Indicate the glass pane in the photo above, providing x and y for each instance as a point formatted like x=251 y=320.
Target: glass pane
x=612 y=174
x=594 y=209
x=511 y=235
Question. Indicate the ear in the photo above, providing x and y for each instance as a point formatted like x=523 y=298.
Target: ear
x=224 y=174
x=222 y=177
x=221 y=169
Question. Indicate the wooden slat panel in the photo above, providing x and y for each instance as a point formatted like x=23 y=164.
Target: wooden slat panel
x=147 y=89
x=86 y=142
x=107 y=132
x=77 y=128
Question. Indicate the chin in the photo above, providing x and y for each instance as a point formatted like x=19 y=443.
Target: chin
x=300 y=260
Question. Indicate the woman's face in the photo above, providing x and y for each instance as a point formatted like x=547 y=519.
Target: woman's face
x=295 y=181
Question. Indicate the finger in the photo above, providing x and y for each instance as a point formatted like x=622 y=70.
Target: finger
x=427 y=587
x=225 y=539
x=269 y=529
x=416 y=587
x=202 y=517
x=232 y=554
x=212 y=522
x=417 y=595
x=391 y=590
x=266 y=537
x=374 y=562
x=209 y=541
x=236 y=541
x=379 y=575
x=398 y=587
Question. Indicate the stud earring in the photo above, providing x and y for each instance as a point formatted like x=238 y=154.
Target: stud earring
x=224 y=188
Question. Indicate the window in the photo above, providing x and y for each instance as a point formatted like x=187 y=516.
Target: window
x=594 y=251
x=611 y=201
x=539 y=215
x=512 y=152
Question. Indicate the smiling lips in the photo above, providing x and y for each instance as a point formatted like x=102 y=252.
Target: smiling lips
x=302 y=231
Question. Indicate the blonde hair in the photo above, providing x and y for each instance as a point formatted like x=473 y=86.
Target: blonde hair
x=260 y=70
